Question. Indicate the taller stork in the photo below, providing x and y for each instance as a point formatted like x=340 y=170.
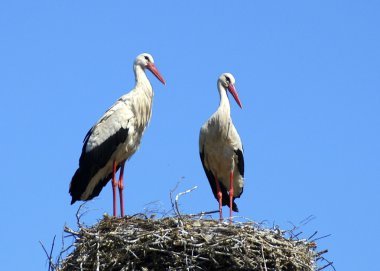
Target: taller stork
x=221 y=150
x=115 y=138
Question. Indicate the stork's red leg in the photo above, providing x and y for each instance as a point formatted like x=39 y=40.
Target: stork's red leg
x=121 y=188
x=231 y=192
x=219 y=195
x=114 y=184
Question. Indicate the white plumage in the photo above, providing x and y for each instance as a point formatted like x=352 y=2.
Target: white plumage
x=115 y=137
x=221 y=150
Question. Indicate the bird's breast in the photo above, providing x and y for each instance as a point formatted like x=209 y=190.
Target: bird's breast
x=142 y=111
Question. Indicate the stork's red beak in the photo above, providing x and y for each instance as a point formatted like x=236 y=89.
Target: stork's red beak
x=233 y=91
x=154 y=70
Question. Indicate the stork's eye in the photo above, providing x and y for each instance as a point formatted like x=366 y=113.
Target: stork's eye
x=228 y=79
x=147 y=58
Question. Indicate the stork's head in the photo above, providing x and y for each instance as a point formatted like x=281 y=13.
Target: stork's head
x=145 y=60
x=227 y=80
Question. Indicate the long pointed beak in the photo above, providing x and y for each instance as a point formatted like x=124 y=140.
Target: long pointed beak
x=154 y=70
x=233 y=91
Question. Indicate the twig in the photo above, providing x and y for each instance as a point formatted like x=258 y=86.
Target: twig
x=312 y=235
x=327 y=265
x=177 y=198
x=301 y=223
x=324 y=236
x=49 y=255
x=63 y=249
x=307 y=220
x=71 y=231
x=321 y=253
x=79 y=215
x=201 y=214
x=172 y=191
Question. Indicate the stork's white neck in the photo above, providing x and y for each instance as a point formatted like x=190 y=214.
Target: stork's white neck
x=142 y=80
x=224 y=102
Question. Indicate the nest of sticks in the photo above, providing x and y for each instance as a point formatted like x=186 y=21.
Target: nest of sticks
x=186 y=243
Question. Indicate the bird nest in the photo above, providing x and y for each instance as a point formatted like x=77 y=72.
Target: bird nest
x=186 y=243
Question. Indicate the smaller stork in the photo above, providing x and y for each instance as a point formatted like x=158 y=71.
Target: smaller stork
x=221 y=150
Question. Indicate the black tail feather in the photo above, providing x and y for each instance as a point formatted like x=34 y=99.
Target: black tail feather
x=226 y=200
x=76 y=186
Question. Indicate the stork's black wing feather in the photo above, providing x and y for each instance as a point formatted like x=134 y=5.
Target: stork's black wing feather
x=92 y=161
x=240 y=163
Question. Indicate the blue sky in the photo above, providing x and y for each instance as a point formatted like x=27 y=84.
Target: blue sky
x=307 y=73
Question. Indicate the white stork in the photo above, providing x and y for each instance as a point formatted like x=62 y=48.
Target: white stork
x=221 y=150
x=115 y=138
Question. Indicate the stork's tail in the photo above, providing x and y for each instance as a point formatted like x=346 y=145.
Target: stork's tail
x=234 y=207
x=226 y=202
x=74 y=187
x=82 y=178
x=77 y=185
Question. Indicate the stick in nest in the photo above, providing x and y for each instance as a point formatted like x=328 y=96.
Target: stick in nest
x=52 y=266
x=177 y=198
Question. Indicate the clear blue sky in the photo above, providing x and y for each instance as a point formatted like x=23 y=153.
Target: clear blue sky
x=307 y=73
